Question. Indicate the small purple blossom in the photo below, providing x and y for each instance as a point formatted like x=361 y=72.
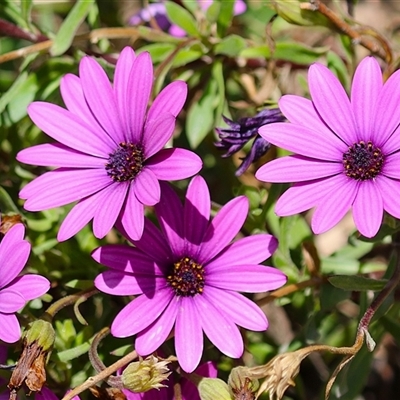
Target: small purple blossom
x=187 y=276
x=110 y=149
x=16 y=291
x=189 y=390
x=239 y=133
x=346 y=150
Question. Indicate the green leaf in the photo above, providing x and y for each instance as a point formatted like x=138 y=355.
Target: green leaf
x=298 y=53
x=182 y=17
x=186 y=56
x=357 y=283
x=261 y=51
x=7 y=203
x=153 y=35
x=230 y=46
x=13 y=91
x=26 y=8
x=225 y=16
x=158 y=51
x=213 y=11
x=70 y=25
x=73 y=353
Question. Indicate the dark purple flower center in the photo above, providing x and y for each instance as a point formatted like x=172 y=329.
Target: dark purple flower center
x=125 y=163
x=186 y=277
x=363 y=161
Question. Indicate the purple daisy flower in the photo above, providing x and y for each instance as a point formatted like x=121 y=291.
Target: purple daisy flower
x=188 y=276
x=189 y=390
x=346 y=151
x=110 y=154
x=16 y=290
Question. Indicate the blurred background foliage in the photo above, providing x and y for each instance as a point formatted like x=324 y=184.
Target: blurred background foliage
x=234 y=66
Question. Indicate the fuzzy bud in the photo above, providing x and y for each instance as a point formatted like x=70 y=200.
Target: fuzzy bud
x=144 y=375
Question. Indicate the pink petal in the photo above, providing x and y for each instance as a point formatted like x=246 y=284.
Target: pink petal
x=132 y=216
x=246 y=278
x=31 y=286
x=14 y=253
x=170 y=217
x=138 y=94
x=304 y=141
x=74 y=99
x=157 y=133
x=249 y=250
x=63 y=186
x=386 y=117
x=333 y=206
x=188 y=335
x=365 y=89
x=147 y=188
x=393 y=143
x=301 y=111
x=10 y=331
x=100 y=97
x=391 y=166
x=151 y=338
x=223 y=228
x=390 y=192
x=237 y=308
x=171 y=99
x=225 y=334
x=121 y=79
x=368 y=208
x=140 y=313
x=70 y=130
x=297 y=168
x=109 y=207
x=122 y=284
x=46 y=394
x=174 y=164
x=332 y=102
x=127 y=259
x=196 y=214
x=10 y=301
x=57 y=155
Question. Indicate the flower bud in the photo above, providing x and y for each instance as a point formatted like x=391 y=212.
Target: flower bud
x=144 y=375
x=213 y=388
x=241 y=385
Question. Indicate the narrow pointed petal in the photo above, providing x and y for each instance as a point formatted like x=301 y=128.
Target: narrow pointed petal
x=46 y=191
x=332 y=207
x=246 y=278
x=140 y=313
x=121 y=79
x=303 y=196
x=368 y=209
x=171 y=99
x=74 y=99
x=147 y=188
x=151 y=338
x=132 y=216
x=174 y=164
x=70 y=130
x=223 y=228
x=390 y=192
x=387 y=115
x=332 y=102
x=225 y=335
x=170 y=216
x=304 y=141
x=10 y=301
x=365 y=89
x=31 y=286
x=157 y=132
x=100 y=97
x=10 y=331
x=110 y=205
x=57 y=155
x=249 y=250
x=297 y=169
x=188 y=335
x=196 y=214
x=139 y=90
x=13 y=261
x=237 y=308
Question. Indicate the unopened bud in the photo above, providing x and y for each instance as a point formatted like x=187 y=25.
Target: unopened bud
x=242 y=386
x=144 y=375
x=41 y=332
x=213 y=388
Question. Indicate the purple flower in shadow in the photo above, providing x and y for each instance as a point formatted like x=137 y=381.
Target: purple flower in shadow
x=111 y=153
x=187 y=276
